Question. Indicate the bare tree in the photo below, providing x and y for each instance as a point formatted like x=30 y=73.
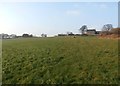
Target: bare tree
x=106 y=30
x=107 y=27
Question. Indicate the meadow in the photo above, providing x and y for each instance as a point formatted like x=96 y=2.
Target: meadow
x=60 y=60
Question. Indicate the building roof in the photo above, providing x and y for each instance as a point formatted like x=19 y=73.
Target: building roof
x=91 y=30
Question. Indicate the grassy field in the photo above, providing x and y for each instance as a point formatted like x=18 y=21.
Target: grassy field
x=61 y=60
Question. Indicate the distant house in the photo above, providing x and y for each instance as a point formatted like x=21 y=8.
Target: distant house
x=98 y=32
x=90 y=32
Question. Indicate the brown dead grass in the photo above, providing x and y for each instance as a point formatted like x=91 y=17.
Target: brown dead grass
x=112 y=36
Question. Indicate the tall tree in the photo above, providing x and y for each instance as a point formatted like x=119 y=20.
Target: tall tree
x=83 y=29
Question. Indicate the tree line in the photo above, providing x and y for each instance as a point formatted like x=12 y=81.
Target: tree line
x=27 y=35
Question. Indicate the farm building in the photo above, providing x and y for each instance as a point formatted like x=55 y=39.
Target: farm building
x=90 y=31
x=98 y=32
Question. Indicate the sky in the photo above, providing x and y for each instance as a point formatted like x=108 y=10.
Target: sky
x=55 y=17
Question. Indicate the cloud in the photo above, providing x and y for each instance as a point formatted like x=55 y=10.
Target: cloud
x=73 y=12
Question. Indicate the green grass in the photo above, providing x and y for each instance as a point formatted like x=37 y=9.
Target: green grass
x=59 y=60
